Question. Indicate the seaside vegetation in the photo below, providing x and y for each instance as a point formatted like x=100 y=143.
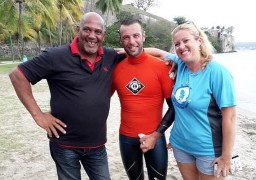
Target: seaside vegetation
x=53 y=23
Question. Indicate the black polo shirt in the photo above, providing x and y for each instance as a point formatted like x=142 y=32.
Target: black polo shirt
x=80 y=97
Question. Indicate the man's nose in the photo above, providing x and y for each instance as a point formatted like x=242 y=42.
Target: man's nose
x=92 y=34
x=132 y=40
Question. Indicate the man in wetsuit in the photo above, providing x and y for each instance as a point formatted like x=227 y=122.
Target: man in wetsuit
x=142 y=83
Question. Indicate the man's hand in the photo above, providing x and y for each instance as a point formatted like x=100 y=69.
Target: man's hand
x=120 y=50
x=149 y=141
x=51 y=124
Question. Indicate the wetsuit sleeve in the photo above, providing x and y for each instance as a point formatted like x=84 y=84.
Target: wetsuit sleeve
x=167 y=119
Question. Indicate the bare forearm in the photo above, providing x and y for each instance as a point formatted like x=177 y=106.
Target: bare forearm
x=156 y=52
x=228 y=130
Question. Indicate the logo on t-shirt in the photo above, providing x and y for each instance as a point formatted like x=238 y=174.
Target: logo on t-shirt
x=135 y=86
x=105 y=68
x=180 y=97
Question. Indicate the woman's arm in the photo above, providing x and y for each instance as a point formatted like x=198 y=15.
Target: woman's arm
x=152 y=51
x=228 y=131
x=157 y=52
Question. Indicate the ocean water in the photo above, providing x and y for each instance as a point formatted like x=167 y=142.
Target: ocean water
x=242 y=65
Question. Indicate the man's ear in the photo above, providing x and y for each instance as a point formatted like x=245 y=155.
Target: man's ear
x=77 y=28
x=103 y=35
x=144 y=36
x=120 y=41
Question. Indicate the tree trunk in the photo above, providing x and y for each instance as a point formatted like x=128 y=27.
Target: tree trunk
x=86 y=6
x=39 y=41
x=20 y=32
x=107 y=17
x=11 y=47
x=60 y=25
x=92 y=3
x=50 y=34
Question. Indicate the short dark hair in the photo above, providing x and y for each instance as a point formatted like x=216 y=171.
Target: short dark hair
x=130 y=21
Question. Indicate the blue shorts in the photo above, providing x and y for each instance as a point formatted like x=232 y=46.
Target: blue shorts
x=203 y=163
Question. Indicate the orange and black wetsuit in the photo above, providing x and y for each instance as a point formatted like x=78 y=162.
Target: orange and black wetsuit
x=142 y=84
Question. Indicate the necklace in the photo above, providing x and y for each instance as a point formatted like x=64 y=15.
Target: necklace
x=187 y=77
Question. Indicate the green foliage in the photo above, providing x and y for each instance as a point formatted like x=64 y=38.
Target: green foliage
x=161 y=32
x=36 y=16
x=109 y=5
x=124 y=15
x=112 y=36
x=214 y=41
x=180 y=20
x=158 y=33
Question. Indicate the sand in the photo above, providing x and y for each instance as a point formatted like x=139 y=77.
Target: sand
x=24 y=151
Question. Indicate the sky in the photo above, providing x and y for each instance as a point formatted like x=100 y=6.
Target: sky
x=208 y=13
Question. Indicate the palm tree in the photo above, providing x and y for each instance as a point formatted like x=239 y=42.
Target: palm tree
x=20 y=30
x=36 y=19
x=40 y=17
x=89 y=5
x=108 y=6
x=8 y=23
x=66 y=7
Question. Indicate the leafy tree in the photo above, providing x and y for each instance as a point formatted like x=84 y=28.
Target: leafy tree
x=37 y=20
x=20 y=33
x=215 y=42
x=157 y=33
x=112 y=36
x=180 y=20
x=19 y=25
x=108 y=6
x=123 y=15
x=42 y=14
x=89 y=5
x=144 y=4
x=161 y=31
x=8 y=23
x=68 y=9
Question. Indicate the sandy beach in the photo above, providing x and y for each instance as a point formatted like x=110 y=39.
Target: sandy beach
x=24 y=151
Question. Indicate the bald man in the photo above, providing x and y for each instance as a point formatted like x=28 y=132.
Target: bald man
x=79 y=79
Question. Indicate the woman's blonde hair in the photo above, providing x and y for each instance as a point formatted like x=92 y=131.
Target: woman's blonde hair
x=206 y=47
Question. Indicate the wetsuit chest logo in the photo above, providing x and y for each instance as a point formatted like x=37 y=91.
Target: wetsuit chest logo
x=135 y=86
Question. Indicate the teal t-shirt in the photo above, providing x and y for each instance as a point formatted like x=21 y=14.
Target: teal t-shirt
x=198 y=99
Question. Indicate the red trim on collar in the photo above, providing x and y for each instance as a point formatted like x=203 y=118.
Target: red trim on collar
x=75 y=50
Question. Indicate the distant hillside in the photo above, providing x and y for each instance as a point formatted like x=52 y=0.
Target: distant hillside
x=130 y=8
x=245 y=45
